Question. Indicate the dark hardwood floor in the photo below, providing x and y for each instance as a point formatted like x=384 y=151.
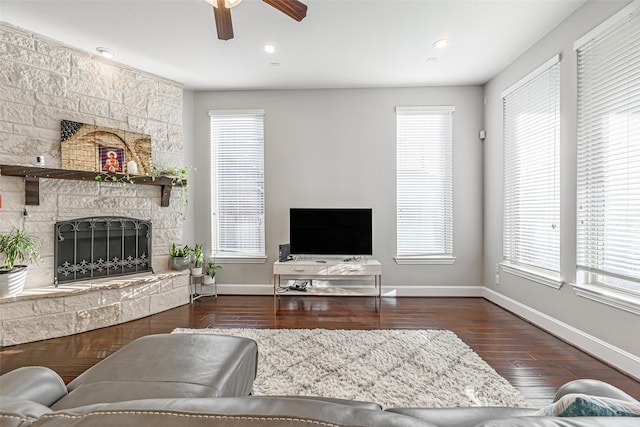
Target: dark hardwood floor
x=532 y=360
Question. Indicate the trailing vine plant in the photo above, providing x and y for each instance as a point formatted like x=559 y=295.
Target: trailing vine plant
x=178 y=176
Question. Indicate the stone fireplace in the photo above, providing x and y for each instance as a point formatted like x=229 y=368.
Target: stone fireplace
x=98 y=247
x=51 y=82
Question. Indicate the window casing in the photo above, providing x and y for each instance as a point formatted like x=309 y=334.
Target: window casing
x=531 y=222
x=608 y=194
x=237 y=184
x=424 y=184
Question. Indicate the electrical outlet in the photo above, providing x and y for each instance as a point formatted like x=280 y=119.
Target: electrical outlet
x=497 y=278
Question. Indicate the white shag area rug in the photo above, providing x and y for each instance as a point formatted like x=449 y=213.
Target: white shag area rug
x=395 y=368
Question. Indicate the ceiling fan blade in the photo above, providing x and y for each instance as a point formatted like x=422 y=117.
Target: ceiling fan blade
x=294 y=8
x=222 y=16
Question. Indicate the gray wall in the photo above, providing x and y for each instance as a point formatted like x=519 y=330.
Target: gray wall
x=609 y=324
x=336 y=148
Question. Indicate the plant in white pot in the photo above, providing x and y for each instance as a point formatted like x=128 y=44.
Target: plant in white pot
x=198 y=259
x=16 y=248
x=180 y=257
x=210 y=268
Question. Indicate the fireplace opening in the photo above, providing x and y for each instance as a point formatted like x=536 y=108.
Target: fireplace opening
x=98 y=247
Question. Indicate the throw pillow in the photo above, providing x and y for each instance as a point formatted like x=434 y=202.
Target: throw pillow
x=582 y=405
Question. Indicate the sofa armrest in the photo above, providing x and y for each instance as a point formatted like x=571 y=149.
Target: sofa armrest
x=592 y=388
x=35 y=383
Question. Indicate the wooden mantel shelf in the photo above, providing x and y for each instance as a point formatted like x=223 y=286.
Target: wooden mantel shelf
x=33 y=174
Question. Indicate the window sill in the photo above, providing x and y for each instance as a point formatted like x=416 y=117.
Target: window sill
x=425 y=260
x=551 y=280
x=240 y=260
x=611 y=297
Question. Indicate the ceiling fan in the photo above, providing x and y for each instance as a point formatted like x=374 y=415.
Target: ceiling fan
x=222 y=13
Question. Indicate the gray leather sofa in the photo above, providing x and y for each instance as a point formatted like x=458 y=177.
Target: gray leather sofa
x=205 y=380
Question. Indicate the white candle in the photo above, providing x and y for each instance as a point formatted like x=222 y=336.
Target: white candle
x=132 y=168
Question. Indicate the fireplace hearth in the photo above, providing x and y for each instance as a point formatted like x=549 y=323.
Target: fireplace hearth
x=98 y=247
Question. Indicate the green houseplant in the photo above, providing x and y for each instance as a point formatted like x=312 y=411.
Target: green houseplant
x=210 y=268
x=180 y=257
x=17 y=248
x=198 y=259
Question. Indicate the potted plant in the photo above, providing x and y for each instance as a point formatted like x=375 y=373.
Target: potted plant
x=180 y=257
x=198 y=259
x=17 y=248
x=210 y=268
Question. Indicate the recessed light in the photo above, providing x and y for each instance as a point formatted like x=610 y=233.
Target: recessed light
x=107 y=53
x=440 y=44
x=269 y=48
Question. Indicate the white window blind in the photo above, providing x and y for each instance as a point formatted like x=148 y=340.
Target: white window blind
x=237 y=183
x=531 y=120
x=424 y=181
x=608 y=225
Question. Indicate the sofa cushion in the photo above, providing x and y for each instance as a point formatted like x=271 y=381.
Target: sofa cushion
x=35 y=383
x=592 y=388
x=228 y=412
x=168 y=365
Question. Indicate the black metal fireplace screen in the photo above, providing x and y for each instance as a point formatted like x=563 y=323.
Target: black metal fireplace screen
x=97 y=247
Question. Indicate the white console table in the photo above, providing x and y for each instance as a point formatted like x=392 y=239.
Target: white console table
x=328 y=270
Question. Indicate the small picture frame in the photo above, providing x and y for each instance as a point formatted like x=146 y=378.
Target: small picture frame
x=111 y=159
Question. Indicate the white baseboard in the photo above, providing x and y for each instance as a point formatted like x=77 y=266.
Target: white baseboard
x=614 y=356
x=257 y=289
x=387 y=291
x=432 y=291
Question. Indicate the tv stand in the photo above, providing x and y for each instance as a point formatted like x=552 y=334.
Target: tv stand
x=369 y=269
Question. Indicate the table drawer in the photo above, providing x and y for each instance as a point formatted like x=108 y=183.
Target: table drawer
x=300 y=269
x=353 y=269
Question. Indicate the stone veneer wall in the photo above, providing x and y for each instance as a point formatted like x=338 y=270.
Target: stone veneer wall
x=70 y=309
x=43 y=82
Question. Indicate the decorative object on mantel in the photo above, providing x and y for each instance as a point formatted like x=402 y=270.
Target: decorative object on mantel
x=111 y=159
x=180 y=257
x=17 y=248
x=132 y=168
x=87 y=147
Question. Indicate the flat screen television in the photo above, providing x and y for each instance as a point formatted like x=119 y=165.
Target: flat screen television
x=320 y=231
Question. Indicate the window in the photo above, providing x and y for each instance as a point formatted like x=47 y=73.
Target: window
x=608 y=223
x=531 y=222
x=424 y=184
x=237 y=183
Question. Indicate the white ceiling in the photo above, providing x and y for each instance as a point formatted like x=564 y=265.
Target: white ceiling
x=341 y=43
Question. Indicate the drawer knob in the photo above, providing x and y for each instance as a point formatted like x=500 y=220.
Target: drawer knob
x=298 y=269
